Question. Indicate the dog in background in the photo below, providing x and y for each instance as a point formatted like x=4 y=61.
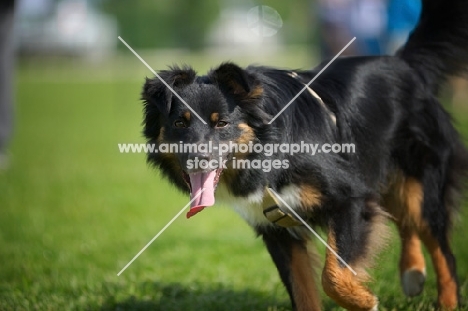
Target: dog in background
x=409 y=163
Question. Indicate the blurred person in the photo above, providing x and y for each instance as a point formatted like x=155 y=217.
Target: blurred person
x=341 y=20
x=334 y=27
x=402 y=18
x=6 y=76
x=368 y=24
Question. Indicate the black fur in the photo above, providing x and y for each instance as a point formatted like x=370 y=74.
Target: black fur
x=387 y=106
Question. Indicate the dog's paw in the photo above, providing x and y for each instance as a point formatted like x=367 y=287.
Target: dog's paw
x=412 y=282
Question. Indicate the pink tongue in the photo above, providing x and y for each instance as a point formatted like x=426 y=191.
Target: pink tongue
x=200 y=181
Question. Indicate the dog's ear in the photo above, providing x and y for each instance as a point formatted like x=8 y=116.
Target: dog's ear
x=156 y=93
x=236 y=81
x=245 y=88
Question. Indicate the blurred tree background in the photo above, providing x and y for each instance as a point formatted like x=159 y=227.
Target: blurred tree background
x=186 y=24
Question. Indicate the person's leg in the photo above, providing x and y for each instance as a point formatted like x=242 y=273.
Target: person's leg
x=6 y=75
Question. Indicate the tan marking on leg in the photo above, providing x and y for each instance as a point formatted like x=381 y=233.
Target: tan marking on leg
x=310 y=196
x=411 y=255
x=187 y=116
x=214 y=117
x=404 y=201
x=446 y=285
x=412 y=263
x=414 y=199
x=410 y=206
x=345 y=288
x=304 y=287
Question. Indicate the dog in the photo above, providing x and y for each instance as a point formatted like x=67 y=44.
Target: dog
x=408 y=167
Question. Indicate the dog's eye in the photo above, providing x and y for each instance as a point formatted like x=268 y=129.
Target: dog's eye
x=179 y=124
x=221 y=124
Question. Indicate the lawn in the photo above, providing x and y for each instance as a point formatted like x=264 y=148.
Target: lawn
x=73 y=211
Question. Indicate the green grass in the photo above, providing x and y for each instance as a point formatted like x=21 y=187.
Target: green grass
x=73 y=212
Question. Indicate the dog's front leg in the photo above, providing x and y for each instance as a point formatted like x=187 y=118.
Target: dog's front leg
x=355 y=233
x=294 y=264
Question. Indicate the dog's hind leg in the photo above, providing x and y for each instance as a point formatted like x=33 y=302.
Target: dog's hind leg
x=294 y=263
x=420 y=215
x=355 y=234
x=444 y=264
x=434 y=230
x=412 y=264
x=404 y=202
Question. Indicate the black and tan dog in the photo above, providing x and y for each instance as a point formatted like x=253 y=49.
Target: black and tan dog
x=408 y=166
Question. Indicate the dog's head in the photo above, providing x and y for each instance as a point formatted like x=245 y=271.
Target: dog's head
x=224 y=106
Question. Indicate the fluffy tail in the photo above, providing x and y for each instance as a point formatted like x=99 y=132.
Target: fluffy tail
x=438 y=46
